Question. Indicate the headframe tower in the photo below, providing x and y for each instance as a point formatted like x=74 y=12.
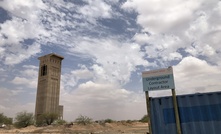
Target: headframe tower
x=48 y=88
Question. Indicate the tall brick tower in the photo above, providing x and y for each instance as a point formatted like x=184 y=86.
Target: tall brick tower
x=48 y=89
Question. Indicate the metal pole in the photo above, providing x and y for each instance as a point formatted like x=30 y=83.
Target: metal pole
x=148 y=111
x=176 y=112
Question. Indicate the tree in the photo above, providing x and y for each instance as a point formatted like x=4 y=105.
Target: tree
x=5 y=120
x=144 y=118
x=46 y=118
x=24 y=119
x=83 y=120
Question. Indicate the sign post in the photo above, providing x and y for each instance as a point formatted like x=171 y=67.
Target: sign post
x=148 y=111
x=176 y=112
x=160 y=80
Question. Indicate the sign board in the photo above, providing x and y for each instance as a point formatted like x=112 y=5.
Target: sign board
x=158 y=79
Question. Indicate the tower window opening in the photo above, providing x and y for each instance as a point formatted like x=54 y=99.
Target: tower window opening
x=44 y=70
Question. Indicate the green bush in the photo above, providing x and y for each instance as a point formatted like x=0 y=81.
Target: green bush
x=46 y=119
x=24 y=119
x=59 y=122
x=83 y=120
x=129 y=121
x=108 y=121
x=5 y=120
x=40 y=121
x=145 y=118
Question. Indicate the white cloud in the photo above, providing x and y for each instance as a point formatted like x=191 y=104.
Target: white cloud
x=173 y=56
x=27 y=77
x=2 y=70
x=5 y=94
x=141 y=38
x=82 y=73
x=112 y=1
x=96 y=9
x=71 y=79
x=198 y=49
x=19 y=54
x=198 y=27
x=12 y=110
x=176 y=25
x=1 y=51
x=204 y=31
x=30 y=67
x=22 y=8
x=101 y=101
x=25 y=24
x=114 y=60
x=162 y=16
x=17 y=29
x=47 y=22
x=10 y=102
x=195 y=75
x=18 y=80
x=162 y=47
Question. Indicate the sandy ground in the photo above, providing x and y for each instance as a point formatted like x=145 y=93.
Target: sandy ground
x=95 y=128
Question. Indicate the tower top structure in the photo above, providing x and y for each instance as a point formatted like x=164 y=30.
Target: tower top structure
x=51 y=55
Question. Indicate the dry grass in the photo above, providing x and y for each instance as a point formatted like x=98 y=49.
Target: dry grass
x=95 y=128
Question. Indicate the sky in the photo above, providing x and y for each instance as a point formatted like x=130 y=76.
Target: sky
x=106 y=45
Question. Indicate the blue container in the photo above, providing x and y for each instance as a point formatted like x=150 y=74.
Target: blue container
x=199 y=114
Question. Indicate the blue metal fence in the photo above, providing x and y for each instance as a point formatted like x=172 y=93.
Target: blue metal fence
x=199 y=114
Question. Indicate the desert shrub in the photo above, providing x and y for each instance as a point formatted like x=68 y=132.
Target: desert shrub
x=100 y=122
x=46 y=119
x=49 y=117
x=24 y=119
x=129 y=121
x=70 y=124
x=59 y=122
x=40 y=121
x=83 y=120
x=5 y=120
x=145 y=118
x=108 y=121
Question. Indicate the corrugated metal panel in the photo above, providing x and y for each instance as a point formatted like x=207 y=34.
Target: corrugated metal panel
x=199 y=114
